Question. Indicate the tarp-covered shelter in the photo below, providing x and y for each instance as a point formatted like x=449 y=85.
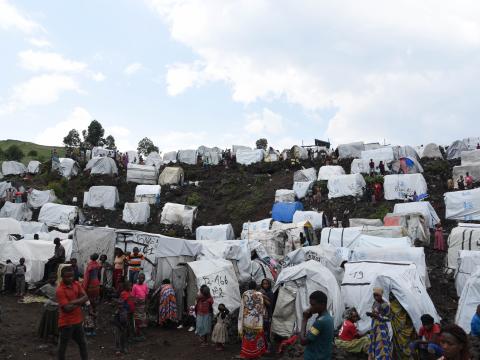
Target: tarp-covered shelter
x=455 y=150
x=17 y=211
x=468 y=262
x=355 y=222
x=3 y=188
x=147 y=193
x=271 y=155
x=101 y=196
x=215 y=232
x=302 y=175
x=98 y=151
x=178 y=214
x=469 y=300
x=251 y=227
x=423 y=207
x=346 y=185
x=284 y=195
x=462 y=170
x=102 y=166
x=402 y=186
x=318 y=220
x=432 y=151
x=136 y=213
x=471 y=157
x=360 y=166
x=462 y=205
x=88 y=240
x=400 y=278
x=328 y=172
x=293 y=231
x=301 y=188
x=471 y=142
x=170 y=157
x=38 y=198
x=294 y=285
x=236 y=148
x=13 y=168
x=248 y=157
x=415 y=223
x=462 y=237
x=171 y=176
x=142 y=174
x=284 y=211
x=133 y=156
x=407 y=165
x=406 y=151
x=187 y=156
x=154 y=159
x=348 y=237
x=298 y=152
x=33 y=227
x=9 y=226
x=351 y=150
x=33 y=167
x=384 y=154
x=62 y=217
x=66 y=167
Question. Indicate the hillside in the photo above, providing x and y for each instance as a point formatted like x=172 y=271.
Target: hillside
x=43 y=152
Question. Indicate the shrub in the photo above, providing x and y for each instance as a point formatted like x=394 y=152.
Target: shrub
x=14 y=152
x=32 y=153
x=193 y=199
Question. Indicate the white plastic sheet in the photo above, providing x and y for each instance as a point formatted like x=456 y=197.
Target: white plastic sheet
x=384 y=154
x=142 y=174
x=171 y=176
x=422 y=207
x=59 y=216
x=154 y=159
x=33 y=227
x=316 y=219
x=462 y=205
x=399 y=187
x=170 y=157
x=255 y=226
x=88 y=240
x=351 y=150
x=432 y=151
x=301 y=188
x=147 y=193
x=136 y=213
x=248 y=157
x=328 y=172
x=284 y=195
x=17 y=211
x=187 y=156
x=215 y=232
x=9 y=226
x=67 y=167
x=469 y=300
x=3 y=188
x=309 y=174
x=38 y=198
x=102 y=166
x=33 y=167
x=468 y=262
x=346 y=185
x=101 y=196
x=461 y=238
x=178 y=214
x=471 y=157
x=13 y=168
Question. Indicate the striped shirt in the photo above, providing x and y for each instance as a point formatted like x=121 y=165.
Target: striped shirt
x=135 y=262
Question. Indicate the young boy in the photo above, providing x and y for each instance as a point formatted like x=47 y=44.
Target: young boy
x=134 y=265
x=9 y=284
x=318 y=340
x=428 y=344
x=20 y=271
x=121 y=320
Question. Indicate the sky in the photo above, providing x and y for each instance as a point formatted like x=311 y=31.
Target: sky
x=187 y=73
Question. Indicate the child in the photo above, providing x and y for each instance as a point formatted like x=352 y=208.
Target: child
x=439 y=240
x=140 y=295
x=20 y=271
x=106 y=277
x=134 y=265
x=220 y=331
x=204 y=310
x=121 y=320
x=48 y=328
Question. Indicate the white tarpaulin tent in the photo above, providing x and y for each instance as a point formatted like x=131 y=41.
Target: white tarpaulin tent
x=298 y=152
x=178 y=214
x=399 y=187
x=360 y=166
x=455 y=150
x=462 y=205
x=472 y=170
x=9 y=226
x=422 y=207
x=219 y=276
x=35 y=252
x=147 y=193
x=407 y=165
x=33 y=227
x=170 y=157
x=3 y=188
x=215 y=232
x=154 y=159
x=13 y=168
x=67 y=167
x=469 y=300
x=384 y=154
x=351 y=150
x=346 y=237
x=17 y=211
x=405 y=151
x=171 y=176
x=301 y=188
x=346 y=185
x=142 y=174
x=471 y=142
x=471 y=157
x=317 y=219
x=187 y=156
x=328 y=172
x=88 y=240
x=136 y=213
x=102 y=166
x=461 y=238
x=400 y=278
x=309 y=174
x=62 y=217
x=38 y=198
x=432 y=151
x=236 y=148
x=415 y=223
x=305 y=278
x=101 y=196
x=284 y=195
x=355 y=222
x=252 y=227
x=468 y=262
x=33 y=167
x=98 y=151
x=248 y=157
x=133 y=157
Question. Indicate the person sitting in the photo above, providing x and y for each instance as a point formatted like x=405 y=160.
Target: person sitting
x=475 y=324
x=57 y=259
x=468 y=181
x=348 y=337
x=427 y=345
x=460 y=183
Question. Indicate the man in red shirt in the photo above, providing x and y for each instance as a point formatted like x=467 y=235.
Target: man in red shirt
x=428 y=343
x=70 y=297
x=348 y=338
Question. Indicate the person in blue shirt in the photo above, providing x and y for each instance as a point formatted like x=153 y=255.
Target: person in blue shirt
x=475 y=325
x=318 y=340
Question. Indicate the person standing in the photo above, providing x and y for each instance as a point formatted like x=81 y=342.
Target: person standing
x=381 y=167
x=167 y=308
x=139 y=294
x=439 y=240
x=106 y=276
x=371 y=165
x=71 y=296
x=134 y=265
x=403 y=330
x=468 y=181
x=119 y=267
x=475 y=323
x=318 y=340
x=48 y=327
x=380 y=344
x=268 y=299
x=461 y=183
x=220 y=330
x=204 y=313
x=9 y=283
x=20 y=271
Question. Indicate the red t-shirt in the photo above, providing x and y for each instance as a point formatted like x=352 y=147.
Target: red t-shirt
x=428 y=335
x=204 y=305
x=468 y=180
x=348 y=332
x=65 y=294
x=124 y=295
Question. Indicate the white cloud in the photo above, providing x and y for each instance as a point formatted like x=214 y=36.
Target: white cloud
x=49 y=61
x=98 y=76
x=182 y=76
x=265 y=123
x=132 y=68
x=11 y=17
x=39 y=42
x=177 y=140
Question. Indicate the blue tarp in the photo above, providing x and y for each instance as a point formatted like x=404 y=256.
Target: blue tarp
x=284 y=211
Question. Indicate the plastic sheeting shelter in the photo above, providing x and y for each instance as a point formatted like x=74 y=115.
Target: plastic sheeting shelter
x=33 y=167
x=252 y=227
x=423 y=207
x=351 y=150
x=3 y=188
x=384 y=154
x=355 y=222
x=309 y=174
x=88 y=240
x=284 y=195
x=236 y=148
x=406 y=165
x=328 y=172
x=147 y=193
x=101 y=196
x=415 y=223
x=142 y=174
x=473 y=170
x=349 y=237
x=470 y=158
x=13 y=168
x=248 y=157
x=301 y=188
x=171 y=176
x=317 y=219
x=67 y=167
x=284 y=211
x=298 y=152
x=136 y=213
x=432 y=151
x=17 y=211
x=102 y=166
x=300 y=281
x=98 y=151
x=468 y=262
x=461 y=238
x=178 y=214
x=154 y=159
x=462 y=205
x=402 y=279
x=471 y=142
x=170 y=157
x=62 y=217
x=346 y=185
x=400 y=187
x=9 y=226
x=455 y=150
x=38 y=198
x=33 y=227
x=215 y=232
x=360 y=166
x=469 y=300
x=187 y=156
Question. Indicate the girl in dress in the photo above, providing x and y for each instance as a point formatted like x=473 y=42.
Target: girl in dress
x=220 y=330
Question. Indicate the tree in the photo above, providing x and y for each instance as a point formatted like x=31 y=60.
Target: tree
x=146 y=146
x=72 y=140
x=33 y=153
x=2 y=154
x=110 y=142
x=94 y=134
x=14 y=152
x=262 y=143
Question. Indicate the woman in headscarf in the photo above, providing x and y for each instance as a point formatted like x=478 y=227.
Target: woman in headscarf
x=380 y=345
x=268 y=299
x=348 y=337
x=250 y=323
x=167 y=308
x=403 y=330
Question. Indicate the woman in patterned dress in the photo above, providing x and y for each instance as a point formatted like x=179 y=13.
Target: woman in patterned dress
x=380 y=345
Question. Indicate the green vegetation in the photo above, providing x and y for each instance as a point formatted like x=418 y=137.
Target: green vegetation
x=194 y=199
x=42 y=152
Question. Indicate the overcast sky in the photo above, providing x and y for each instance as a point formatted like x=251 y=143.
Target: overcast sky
x=218 y=72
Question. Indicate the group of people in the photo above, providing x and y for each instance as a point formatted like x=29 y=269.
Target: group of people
x=463 y=183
